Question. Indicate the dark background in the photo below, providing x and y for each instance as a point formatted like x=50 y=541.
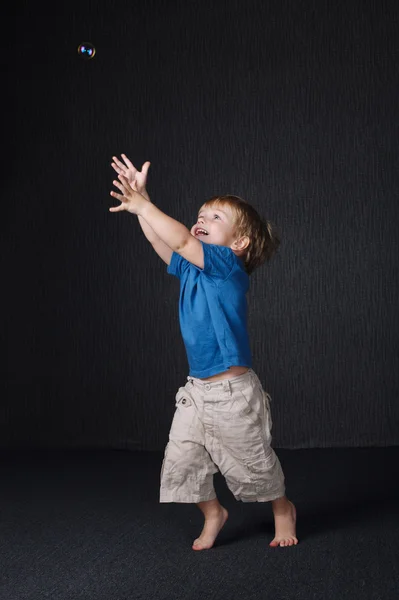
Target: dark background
x=292 y=105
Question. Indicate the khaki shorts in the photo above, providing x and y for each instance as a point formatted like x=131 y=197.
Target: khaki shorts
x=221 y=426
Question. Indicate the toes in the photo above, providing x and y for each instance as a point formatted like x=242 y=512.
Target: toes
x=289 y=542
x=284 y=542
x=197 y=545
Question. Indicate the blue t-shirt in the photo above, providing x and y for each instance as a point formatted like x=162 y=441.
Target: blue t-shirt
x=213 y=310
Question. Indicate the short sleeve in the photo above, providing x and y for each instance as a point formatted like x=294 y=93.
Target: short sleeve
x=177 y=265
x=218 y=261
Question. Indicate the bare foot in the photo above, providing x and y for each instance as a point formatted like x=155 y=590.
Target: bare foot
x=211 y=530
x=285 y=524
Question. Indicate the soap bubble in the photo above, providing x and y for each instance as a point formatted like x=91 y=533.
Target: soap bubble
x=86 y=50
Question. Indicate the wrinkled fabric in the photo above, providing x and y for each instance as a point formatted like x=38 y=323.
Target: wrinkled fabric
x=221 y=426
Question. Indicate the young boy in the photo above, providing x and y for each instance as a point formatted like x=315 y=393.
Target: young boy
x=222 y=419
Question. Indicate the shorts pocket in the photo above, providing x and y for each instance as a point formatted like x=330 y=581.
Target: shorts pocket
x=240 y=430
x=264 y=475
x=239 y=409
x=182 y=399
x=248 y=412
x=252 y=404
x=260 y=465
x=185 y=425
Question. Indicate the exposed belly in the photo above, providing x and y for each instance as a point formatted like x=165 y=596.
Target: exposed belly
x=232 y=372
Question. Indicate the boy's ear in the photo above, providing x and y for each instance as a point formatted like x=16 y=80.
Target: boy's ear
x=241 y=244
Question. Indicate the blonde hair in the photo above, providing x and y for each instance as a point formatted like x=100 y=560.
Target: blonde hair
x=264 y=239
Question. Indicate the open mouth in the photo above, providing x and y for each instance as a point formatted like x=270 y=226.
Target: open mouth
x=200 y=231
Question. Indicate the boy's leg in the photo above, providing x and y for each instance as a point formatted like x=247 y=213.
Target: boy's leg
x=285 y=523
x=245 y=457
x=187 y=469
x=215 y=517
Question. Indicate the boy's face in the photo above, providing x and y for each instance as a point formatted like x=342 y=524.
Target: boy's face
x=218 y=223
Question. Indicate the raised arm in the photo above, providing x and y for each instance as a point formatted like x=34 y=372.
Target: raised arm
x=173 y=233
x=138 y=180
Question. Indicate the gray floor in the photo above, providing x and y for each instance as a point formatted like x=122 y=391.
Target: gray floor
x=87 y=524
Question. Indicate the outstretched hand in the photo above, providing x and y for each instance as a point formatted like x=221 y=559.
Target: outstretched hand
x=131 y=200
x=137 y=179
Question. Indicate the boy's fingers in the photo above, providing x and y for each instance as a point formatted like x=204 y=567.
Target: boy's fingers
x=125 y=182
x=121 y=185
x=118 y=196
x=118 y=162
x=145 y=167
x=118 y=185
x=117 y=169
x=121 y=206
x=128 y=162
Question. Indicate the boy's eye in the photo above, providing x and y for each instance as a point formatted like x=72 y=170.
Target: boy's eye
x=217 y=216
